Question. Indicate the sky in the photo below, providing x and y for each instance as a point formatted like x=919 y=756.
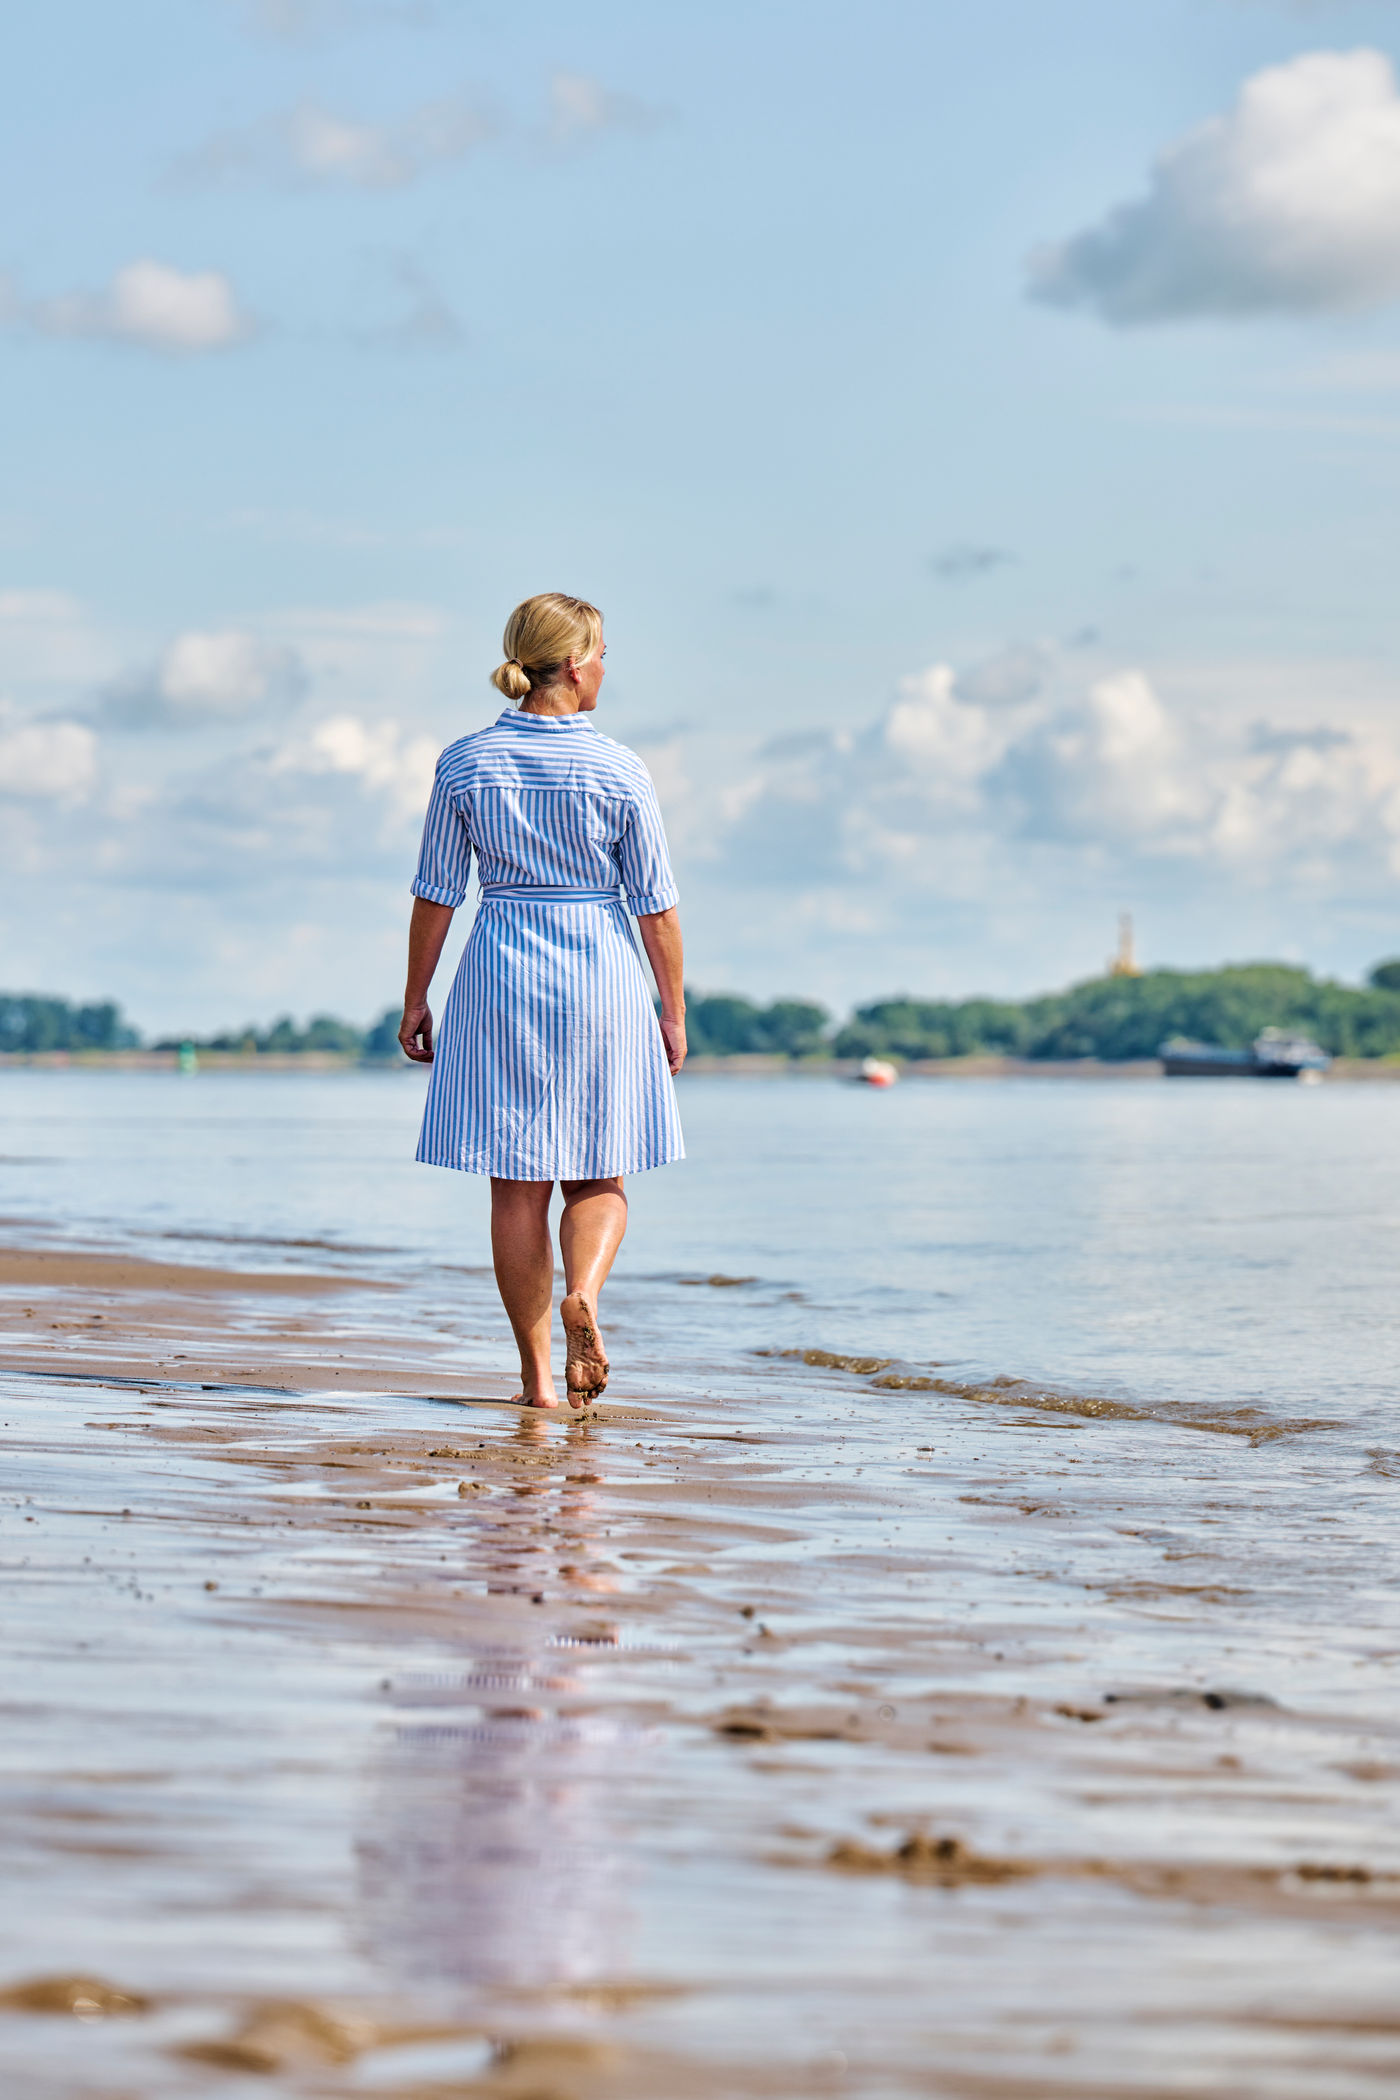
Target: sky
x=979 y=426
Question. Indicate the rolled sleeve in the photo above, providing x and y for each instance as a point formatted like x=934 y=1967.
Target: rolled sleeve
x=642 y=857
x=445 y=857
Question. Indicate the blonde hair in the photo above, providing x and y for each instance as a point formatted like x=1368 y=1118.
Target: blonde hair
x=541 y=635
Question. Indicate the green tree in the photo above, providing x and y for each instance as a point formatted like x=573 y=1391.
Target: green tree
x=721 y=1024
x=324 y=1032
x=794 y=1028
x=381 y=1043
x=281 y=1037
x=31 y=1021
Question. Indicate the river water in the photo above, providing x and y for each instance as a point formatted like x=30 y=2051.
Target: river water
x=1200 y=1242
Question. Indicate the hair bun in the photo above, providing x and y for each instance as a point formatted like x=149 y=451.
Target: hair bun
x=512 y=679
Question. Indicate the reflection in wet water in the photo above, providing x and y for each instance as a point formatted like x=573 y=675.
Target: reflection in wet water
x=493 y=1851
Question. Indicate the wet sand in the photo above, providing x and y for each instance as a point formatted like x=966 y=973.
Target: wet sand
x=821 y=1725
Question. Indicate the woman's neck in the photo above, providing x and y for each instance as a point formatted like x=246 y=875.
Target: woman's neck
x=550 y=700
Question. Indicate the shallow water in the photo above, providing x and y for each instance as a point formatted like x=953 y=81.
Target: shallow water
x=1206 y=1241
x=557 y=1761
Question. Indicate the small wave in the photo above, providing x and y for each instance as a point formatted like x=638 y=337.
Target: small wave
x=262 y=1239
x=887 y=1374
x=830 y=1360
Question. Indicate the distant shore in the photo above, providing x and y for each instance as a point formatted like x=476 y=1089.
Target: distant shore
x=740 y=1066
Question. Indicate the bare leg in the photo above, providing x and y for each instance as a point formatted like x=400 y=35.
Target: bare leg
x=524 y=1256
x=590 y=1233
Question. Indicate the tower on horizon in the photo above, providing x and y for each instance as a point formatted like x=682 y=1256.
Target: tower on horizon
x=1125 y=962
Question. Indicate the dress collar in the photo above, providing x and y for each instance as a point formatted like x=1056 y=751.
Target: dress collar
x=511 y=718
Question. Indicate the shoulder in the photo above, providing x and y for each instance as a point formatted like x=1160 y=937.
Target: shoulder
x=620 y=763
x=458 y=761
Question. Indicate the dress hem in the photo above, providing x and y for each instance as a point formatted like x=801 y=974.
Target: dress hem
x=509 y=1171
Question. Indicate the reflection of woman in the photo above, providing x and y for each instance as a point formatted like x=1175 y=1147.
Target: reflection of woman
x=498 y=1849
x=550 y=1065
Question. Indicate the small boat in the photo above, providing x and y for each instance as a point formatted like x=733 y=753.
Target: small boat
x=876 y=1071
x=1274 y=1054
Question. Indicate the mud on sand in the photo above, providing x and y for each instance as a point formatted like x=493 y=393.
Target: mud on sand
x=363 y=1740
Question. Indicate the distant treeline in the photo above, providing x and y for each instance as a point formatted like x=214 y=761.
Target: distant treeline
x=323 y=1032
x=1110 y=1018
x=30 y=1022
x=1117 y=1018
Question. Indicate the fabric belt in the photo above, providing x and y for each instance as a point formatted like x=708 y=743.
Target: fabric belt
x=546 y=893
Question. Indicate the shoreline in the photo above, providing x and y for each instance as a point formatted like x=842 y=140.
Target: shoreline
x=842 y=1070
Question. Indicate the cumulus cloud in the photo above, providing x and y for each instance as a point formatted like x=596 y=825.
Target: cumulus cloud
x=151 y=304
x=382 y=756
x=945 y=792
x=341 y=802
x=345 y=800
x=1289 y=203
x=312 y=147
x=47 y=761
x=581 y=107
x=1111 y=769
x=1006 y=679
x=203 y=678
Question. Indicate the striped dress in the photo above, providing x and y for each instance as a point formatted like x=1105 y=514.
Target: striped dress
x=549 y=1063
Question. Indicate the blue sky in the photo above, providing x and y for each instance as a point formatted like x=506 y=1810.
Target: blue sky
x=979 y=427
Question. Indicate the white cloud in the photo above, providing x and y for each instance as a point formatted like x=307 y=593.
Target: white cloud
x=203 y=678
x=1111 y=769
x=944 y=798
x=314 y=147
x=1290 y=203
x=47 y=761
x=381 y=756
x=152 y=304
x=581 y=107
x=1006 y=679
x=30 y=608
x=344 y=801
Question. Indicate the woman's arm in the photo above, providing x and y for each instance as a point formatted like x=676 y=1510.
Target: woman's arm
x=427 y=930
x=661 y=937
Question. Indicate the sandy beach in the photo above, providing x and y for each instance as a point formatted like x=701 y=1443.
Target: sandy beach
x=782 y=1732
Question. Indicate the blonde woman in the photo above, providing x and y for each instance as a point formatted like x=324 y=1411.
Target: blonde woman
x=550 y=1065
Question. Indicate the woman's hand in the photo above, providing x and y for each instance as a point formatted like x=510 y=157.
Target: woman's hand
x=427 y=930
x=416 y=1034
x=673 y=1036
x=661 y=937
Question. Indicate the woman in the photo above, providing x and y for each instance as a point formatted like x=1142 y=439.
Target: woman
x=550 y=1065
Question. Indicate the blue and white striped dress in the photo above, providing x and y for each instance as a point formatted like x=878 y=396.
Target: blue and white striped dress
x=549 y=1061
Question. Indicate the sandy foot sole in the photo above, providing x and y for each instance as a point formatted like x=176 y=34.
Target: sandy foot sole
x=586 y=1365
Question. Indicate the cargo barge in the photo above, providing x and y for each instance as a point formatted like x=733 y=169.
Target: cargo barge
x=1274 y=1054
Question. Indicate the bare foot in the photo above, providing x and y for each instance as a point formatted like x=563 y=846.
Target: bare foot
x=586 y=1368
x=524 y=1399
